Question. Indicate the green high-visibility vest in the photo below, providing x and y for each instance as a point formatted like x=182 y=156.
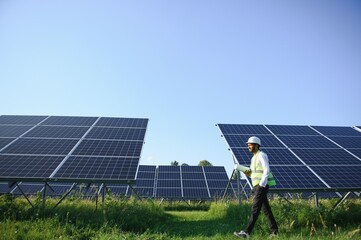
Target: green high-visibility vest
x=257 y=172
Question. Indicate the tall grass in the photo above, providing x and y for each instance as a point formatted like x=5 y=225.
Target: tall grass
x=151 y=219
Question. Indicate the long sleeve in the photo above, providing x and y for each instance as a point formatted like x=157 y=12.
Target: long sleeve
x=263 y=160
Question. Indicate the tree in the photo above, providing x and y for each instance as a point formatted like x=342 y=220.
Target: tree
x=204 y=163
x=174 y=163
x=184 y=164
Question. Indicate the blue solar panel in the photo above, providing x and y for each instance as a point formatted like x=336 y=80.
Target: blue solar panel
x=217 y=184
x=348 y=142
x=196 y=193
x=145 y=175
x=326 y=156
x=117 y=133
x=355 y=151
x=145 y=183
x=216 y=176
x=192 y=175
x=28 y=189
x=147 y=168
x=122 y=122
x=114 y=168
x=169 y=183
x=340 y=176
x=307 y=142
x=169 y=169
x=13 y=131
x=243 y=129
x=69 y=121
x=200 y=183
x=214 y=169
x=21 y=120
x=305 y=146
x=145 y=180
x=294 y=177
x=276 y=156
x=337 y=131
x=90 y=147
x=5 y=141
x=168 y=175
x=169 y=192
x=192 y=169
x=291 y=130
x=240 y=141
x=24 y=166
x=40 y=146
x=4 y=188
x=56 y=132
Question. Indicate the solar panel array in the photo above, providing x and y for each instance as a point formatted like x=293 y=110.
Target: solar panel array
x=302 y=157
x=170 y=182
x=92 y=149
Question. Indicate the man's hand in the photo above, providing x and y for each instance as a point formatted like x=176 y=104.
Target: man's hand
x=248 y=173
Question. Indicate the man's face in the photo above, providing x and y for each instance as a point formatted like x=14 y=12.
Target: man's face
x=252 y=147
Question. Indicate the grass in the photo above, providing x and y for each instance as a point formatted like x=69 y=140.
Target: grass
x=150 y=219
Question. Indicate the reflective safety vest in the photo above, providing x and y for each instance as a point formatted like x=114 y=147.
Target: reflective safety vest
x=257 y=172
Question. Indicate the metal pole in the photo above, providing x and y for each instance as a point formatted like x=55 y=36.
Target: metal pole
x=44 y=194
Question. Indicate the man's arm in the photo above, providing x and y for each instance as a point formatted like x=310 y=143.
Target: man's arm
x=263 y=160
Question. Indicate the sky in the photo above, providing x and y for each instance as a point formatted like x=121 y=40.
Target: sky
x=185 y=65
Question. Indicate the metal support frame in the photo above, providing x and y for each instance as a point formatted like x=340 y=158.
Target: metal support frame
x=17 y=185
x=66 y=194
x=135 y=192
x=340 y=201
x=315 y=197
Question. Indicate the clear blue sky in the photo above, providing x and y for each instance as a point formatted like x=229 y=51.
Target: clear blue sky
x=185 y=65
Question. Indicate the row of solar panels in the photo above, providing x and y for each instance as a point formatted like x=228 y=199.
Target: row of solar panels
x=172 y=182
x=75 y=148
x=303 y=157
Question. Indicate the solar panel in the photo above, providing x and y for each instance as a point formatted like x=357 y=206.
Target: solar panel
x=169 y=183
x=26 y=166
x=4 y=188
x=347 y=142
x=293 y=177
x=326 y=156
x=240 y=141
x=145 y=180
x=56 y=132
x=337 y=131
x=243 y=129
x=90 y=147
x=340 y=176
x=69 y=121
x=21 y=120
x=296 y=151
x=291 y=130
x=13 y=131
x=122 y=122
x=70 y=148
x=105 y=168
x=217 y=180
x=307 y=142
x=117 y=133
x=40 y=146
x=5 y=141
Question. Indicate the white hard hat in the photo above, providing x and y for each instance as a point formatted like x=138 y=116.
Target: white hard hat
x=254 y=140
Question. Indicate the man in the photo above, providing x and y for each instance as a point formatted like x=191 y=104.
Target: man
x=262 y=179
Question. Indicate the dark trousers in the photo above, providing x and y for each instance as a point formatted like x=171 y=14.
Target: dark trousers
x=260 y=201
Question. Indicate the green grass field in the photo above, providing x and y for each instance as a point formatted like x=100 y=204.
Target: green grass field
x=150 y=219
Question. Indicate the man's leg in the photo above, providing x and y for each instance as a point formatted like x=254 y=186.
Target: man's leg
x=268 y=212
x=258 y=200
